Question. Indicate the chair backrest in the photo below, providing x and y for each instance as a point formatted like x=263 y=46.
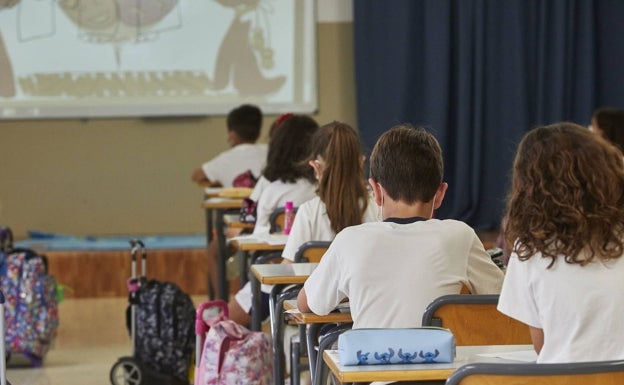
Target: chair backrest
x=276 y=219
x=474 y=320
x=311 y=251
x=579 y=373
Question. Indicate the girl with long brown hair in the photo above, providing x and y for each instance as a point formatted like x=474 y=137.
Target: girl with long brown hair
x=342 y=197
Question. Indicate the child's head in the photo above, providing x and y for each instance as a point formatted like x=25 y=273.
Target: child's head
x=407 y=163
x=567 y=195
x=288 y=149
x=609 y=122
x=245 y=123
x=337 y=160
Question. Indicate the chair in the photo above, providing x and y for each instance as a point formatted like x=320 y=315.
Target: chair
x=474 y=320
x=578 y=373
x=276 y=219
x=276 y=222
x=311 y=251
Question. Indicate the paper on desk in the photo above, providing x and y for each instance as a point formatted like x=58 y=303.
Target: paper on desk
x=519 y=355
x=271 y=239
x=213 y=190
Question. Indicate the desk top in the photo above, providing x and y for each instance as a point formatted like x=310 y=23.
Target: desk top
x=283 y=273
x=233 y=220
x=290 y=306
x=261 y=242
x=419 y=372
x=222 y=203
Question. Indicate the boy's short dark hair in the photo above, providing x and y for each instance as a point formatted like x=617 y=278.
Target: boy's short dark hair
x=246 y=121
x=407 y=162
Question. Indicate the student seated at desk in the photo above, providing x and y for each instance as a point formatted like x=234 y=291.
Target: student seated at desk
x=283 y=179
x=287 y=180
x=342 y=197
x=566 y=225
x=243 y=129
x=392 y=270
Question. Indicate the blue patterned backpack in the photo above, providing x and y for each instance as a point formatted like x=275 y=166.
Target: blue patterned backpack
x=31 y=307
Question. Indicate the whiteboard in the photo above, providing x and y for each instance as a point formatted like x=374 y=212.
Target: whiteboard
x=116 y=58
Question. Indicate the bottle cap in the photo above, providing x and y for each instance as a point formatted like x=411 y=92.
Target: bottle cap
x=289 y=205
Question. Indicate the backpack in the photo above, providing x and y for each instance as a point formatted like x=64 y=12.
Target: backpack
x=165 y=320
x=246 y=179
x=31 y=307
x=234 y=355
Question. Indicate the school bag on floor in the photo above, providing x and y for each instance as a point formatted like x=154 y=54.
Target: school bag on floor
x=165 y=319
x=31 y=307
x=231 y=354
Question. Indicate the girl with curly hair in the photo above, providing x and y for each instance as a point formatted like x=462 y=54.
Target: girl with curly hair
x=566 y=225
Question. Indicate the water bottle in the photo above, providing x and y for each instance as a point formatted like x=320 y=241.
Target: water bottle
x=289 y=217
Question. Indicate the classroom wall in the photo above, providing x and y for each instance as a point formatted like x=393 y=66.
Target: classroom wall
x=120 y=176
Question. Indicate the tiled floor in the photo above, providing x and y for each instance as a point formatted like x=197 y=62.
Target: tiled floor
x=91 y=337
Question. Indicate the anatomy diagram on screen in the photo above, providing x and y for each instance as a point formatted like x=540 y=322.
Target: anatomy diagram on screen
x=242 y=64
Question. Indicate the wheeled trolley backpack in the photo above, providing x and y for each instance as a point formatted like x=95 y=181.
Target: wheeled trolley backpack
x=161 y=320
x=3 y=380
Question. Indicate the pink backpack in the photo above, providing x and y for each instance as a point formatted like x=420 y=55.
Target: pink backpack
x=231 y=354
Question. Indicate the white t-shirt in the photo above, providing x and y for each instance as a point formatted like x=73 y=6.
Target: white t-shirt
x=580 y=308
x=231 y=163
x=312 y=224
x=275 y=195
x=391 y=272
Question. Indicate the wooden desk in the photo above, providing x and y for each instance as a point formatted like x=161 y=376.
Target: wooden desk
x=233 y=220
x=418 y=372
x=248 y=244
x=215 y=208
x=275 y=274
x=309 y=326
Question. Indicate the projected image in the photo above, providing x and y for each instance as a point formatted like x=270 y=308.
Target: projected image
x=89 y=58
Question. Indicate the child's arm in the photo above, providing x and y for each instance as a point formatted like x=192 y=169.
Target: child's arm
x=537 y=336
x=199 y=176
x=484 y=277
x=302 y=302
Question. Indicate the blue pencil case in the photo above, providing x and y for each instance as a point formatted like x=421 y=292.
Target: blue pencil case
x=396 y=346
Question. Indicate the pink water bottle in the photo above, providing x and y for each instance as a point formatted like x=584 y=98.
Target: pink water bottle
x=289 y=217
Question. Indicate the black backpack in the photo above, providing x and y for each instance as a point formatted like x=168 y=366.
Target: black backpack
x=165 y=328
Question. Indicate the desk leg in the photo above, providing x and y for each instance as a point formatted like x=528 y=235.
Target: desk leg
x=209 y=221
x=310 y=339
x=276 y=312
x=222 y=256
x=243 y=258
x=256 y=303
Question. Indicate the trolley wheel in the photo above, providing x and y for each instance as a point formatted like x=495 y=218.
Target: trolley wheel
x=126 y=371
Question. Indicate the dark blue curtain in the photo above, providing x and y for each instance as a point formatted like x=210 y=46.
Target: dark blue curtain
x=479 y=74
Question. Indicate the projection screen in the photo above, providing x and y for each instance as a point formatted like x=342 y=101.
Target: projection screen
x=115 y=58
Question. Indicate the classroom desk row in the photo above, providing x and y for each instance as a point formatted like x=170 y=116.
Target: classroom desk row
x=298 y=273
x=509 y=354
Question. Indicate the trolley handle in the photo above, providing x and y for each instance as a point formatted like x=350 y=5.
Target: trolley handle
x=6 y=239
x=136 y=245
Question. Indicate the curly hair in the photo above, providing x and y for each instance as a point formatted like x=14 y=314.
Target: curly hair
x=567 y=196
x=288 y=149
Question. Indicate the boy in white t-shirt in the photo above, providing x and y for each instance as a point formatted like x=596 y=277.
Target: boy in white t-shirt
x=391 y=270
x=243 y=125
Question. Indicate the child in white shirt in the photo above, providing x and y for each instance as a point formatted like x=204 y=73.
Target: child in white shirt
x=243 y=126
x=391 y=270
x=566 y=225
